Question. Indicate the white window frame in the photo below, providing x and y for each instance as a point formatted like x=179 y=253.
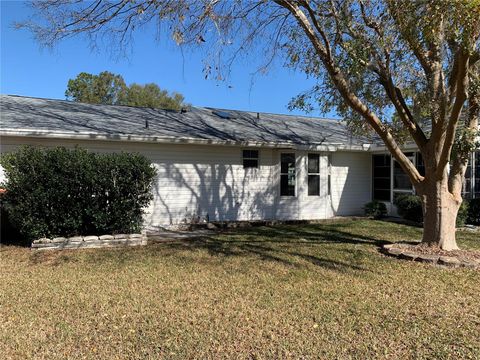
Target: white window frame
x=251 y=158
x=313 y=174
x=329 y=174
x=295 y=174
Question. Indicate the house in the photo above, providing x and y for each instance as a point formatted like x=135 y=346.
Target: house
x=216 y=164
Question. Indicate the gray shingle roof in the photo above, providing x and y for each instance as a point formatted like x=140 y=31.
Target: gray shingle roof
x=26 y=114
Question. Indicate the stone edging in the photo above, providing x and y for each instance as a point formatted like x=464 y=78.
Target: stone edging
x=449 y=261
x=83 y=242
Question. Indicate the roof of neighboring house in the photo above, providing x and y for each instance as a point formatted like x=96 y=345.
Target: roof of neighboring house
x=29 y=116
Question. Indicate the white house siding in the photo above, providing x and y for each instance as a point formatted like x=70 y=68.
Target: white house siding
x=192 y=181
x=207 y=180
x=313 y=207
x=351 y=182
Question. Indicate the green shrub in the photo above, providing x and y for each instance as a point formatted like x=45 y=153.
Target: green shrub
x=60 y=192
x=409 y=207
x=474 y=212
x=462 y=215
x=8 y=233
x=375 y=209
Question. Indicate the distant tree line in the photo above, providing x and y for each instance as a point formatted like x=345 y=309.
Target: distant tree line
x=108 y=88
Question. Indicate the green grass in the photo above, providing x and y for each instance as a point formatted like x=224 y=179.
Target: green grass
x=304 y=291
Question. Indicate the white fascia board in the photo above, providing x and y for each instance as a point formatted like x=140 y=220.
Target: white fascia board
x=332 y=147
x=176 y=140
x=135 y=138
x=383 y=148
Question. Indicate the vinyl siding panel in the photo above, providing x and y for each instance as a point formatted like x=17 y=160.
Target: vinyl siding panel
x=209 y=181
x=351 y=182
x=193 y=181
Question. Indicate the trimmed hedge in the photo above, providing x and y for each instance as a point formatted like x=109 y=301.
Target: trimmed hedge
x=409 y=207
x=375 y=209
x=61 y=192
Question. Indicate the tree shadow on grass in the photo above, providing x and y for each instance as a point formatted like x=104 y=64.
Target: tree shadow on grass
x=281 y=251
x=291 y=245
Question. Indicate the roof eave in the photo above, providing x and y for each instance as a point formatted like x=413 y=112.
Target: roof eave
x=177 y=140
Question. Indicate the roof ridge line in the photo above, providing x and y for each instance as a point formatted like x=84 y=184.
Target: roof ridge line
x=252 y=112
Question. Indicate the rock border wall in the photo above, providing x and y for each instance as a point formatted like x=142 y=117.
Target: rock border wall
x=87 y=242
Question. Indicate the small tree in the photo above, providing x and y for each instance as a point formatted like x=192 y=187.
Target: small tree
x=403 y=69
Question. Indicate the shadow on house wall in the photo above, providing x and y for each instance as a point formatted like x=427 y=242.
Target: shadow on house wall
x=186 y=192
x=353 y=191
x=207 y=192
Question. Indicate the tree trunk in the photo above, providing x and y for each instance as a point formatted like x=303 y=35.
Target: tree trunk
x=440 y=208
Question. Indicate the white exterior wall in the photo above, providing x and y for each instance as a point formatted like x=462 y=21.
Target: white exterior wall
x=208 y=180
x=301 y=206
x=351 y=182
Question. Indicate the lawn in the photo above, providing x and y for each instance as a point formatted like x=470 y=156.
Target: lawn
x=303 y=291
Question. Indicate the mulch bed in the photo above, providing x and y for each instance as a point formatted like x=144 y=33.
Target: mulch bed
x=435 y=255
x=432 y=250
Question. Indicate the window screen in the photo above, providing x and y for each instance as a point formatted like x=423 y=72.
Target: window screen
x=468 y=182
x=420 y=164
x=476 y=184
x=250 y=159
x=401 y=181
x=287 y=174
x=381 y=177
x=313 y=174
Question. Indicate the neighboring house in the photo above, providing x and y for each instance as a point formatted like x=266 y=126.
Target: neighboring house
x=224 y=164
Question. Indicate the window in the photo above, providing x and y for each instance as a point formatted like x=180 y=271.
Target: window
x=313 y=175
x=467 y=184
x=401 y=181
x=420 y=164
x=381 y=177
x=250 y=159
x=329 y=179
x=287 y=174
x=476 y=183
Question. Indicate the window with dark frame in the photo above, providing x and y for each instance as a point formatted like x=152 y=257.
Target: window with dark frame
x=467 y=183
x=476 y=177
x=287 y=174
x=381 y=177
x=420 y=164
x=329 y=177
x=401 y=181
x=250 y=159
x=313 y=175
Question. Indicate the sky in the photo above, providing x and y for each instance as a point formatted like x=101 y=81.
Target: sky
x=29 y=70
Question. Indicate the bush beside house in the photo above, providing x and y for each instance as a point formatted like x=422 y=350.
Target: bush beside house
x=474 y=212
x=409 y=207
x=62 y=192
x=375 y=209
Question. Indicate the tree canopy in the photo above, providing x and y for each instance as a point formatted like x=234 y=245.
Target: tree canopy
x=104 y=88
x=110 y=89
x=150 y=95
x=405 y=70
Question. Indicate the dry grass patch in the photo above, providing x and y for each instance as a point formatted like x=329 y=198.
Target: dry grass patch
x=309 y=291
